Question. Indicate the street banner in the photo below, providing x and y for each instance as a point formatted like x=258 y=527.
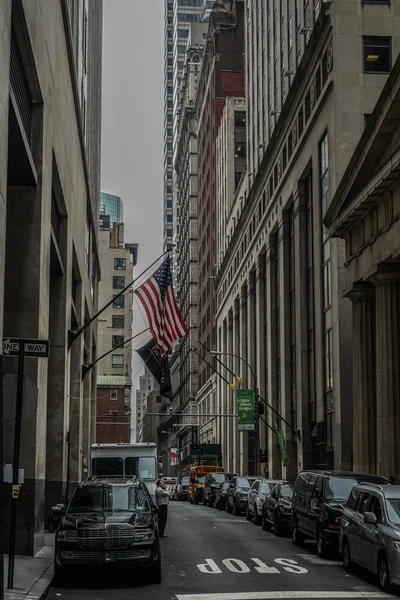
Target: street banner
x=174 y=456
x=246 y=409
x=282 y=445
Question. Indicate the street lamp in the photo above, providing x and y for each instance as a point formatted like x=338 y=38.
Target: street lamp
x=255 y=389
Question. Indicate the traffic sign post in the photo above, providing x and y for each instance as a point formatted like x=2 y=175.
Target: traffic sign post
x=1 y=481
x=19 y=347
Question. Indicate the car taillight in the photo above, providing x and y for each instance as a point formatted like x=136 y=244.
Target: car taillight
x=396 y=545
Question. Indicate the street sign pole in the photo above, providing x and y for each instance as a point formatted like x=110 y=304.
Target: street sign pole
x=17 y=439
x=1 y=481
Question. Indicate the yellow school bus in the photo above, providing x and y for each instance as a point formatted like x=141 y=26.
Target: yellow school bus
x=196 y=485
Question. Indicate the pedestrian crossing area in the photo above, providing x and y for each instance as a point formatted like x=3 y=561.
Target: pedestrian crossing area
x=288 y=595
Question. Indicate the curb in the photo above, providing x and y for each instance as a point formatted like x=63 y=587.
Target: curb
x=39 y=589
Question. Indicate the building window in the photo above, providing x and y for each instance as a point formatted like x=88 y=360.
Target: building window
x=118 y=321
x=119 y=302
x=117 y=361
x=117 y=340
x=113 y=394
x=310 y=297
x=377 y=54
x=240 y=118
x=238 y=176
x=118 y=282
x=240 y=149
x=326 y=290
x=292 y=318
x=120 y=264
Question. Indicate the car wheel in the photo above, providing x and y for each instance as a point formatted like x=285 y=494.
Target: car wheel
x=228 y=507
x=346 y=559
x=257 y=518
x=321 y=546
x=383 y=574
x=205 y=502
x=277 y=525
x=297 y=536
x=155 y=573
x=264 y=523
x=210 y=503
x=248 y=515
x=236 y=511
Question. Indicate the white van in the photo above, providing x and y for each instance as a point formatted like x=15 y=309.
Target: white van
x=126 y=460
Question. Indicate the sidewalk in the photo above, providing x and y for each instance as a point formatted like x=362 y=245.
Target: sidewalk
x=32 y=574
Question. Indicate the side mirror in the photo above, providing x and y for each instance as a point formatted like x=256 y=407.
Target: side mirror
x=370 y=518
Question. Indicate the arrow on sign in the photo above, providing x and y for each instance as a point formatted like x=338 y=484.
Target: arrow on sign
x=9 y=346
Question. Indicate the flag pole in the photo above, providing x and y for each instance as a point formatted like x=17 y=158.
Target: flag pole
x=73 y=335
x=87 y=368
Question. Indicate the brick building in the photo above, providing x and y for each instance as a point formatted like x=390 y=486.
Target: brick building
x=113 y=412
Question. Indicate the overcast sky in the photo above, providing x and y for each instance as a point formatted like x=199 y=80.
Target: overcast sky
x=132 y=128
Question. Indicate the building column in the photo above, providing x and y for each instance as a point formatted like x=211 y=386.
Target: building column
x=252 y=332
x=243 y=436
x=237 y=371
x=225 y=393
x=230 y=421
x=362 y=296
x=260 y=354
x=290 y=471
x=387 y=296
x=305 y=454
x=274 y=460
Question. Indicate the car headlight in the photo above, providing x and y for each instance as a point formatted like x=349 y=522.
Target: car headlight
x=338 y=520
x=67 y=536
x=144 y=535
x=396 y=544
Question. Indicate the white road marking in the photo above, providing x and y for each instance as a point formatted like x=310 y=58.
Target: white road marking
x=277 y=595
x=210 y=566
x=263 y=568
x=235 y=565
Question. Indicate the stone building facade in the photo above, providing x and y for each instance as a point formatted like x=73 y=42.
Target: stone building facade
x=114 y=370
x=50 y=106
x=365 y=213
x=222 y=75
x=311 y=79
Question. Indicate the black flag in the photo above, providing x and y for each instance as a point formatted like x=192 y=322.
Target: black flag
x=159 y=368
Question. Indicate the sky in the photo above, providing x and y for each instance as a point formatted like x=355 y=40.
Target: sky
x=132 y=127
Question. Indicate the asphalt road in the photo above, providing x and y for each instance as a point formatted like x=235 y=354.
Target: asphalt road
x=211 y=555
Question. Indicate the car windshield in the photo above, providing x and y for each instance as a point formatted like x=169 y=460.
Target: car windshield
x=265 y=488
x=185 y=480
x=243 y=484
x=109 y=498
x=287 y=491
x=393 y=509
x=218 y=478
x=339 y=488
x=143 y=467
x=201 y=478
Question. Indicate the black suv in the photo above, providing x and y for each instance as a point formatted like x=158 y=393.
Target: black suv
x=109 y=521
x=212 y=483
x=317 y=505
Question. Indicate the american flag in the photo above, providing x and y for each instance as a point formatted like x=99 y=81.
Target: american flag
x=158 y=299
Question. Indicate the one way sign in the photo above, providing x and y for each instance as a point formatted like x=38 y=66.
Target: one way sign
x=39 y=348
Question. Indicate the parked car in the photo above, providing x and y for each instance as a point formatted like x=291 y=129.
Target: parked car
x=109 y=521
x=257 y=494
x=277 y=508
x=236 y=499
x=212 y=482
x=370 y=531
x=183 y=489
x=317 y=505
x=221 y=495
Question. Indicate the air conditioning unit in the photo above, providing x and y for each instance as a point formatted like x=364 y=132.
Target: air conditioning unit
x=113 y=412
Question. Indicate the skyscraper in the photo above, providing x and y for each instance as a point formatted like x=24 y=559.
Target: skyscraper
x=178 y=14
x=113 y=207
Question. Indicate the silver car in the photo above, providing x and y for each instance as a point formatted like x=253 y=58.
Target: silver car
x=370 y=531
x=257 y=494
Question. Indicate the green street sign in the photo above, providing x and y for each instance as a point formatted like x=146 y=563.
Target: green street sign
x=282 y=445
x=246 y=410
